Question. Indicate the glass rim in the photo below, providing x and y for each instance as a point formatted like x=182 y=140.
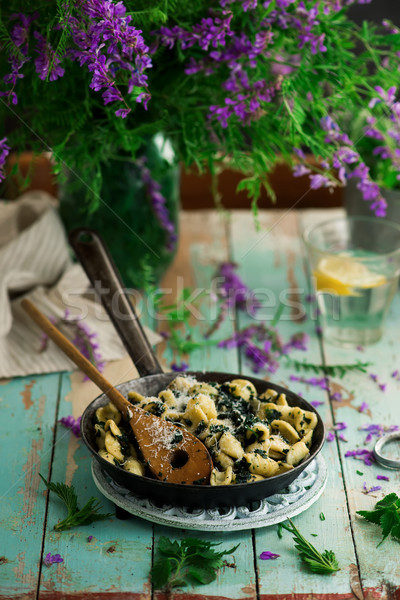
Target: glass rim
x=376 y=220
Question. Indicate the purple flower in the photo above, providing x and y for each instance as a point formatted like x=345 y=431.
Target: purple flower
x=85 y=340
x=382 y=386
x=367 y=456
x=260 y=359
x=233 y=293
x=210 y=31
x=382 y=477
x=90 y=537
x=386 y=97
x=340 y=426
x=4 y=152
x=300 y=170
x=50 y=559
x=158 y=203
x=298 y=341
x=111 y=49
x=72 y=424
x=342 y=437
x=267 y=555
x=316 y=403
x=265 y=357
x=122 y=112
x=330 y=436
x=178 y=368
x=47 y=64
x=363 y=407
x=337 y=396
x=18 y=55
x=374 y=488
x=319 y=181
x=377 y=430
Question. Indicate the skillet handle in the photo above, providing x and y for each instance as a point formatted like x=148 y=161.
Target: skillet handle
x=106 y=280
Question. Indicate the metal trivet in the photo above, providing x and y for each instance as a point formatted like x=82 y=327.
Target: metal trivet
x=294 y=499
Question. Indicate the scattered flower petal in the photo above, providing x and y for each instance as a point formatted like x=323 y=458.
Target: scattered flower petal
x=316 y=403
x=178 y=368
x=340 y=426
x=72 y=424
x=382 y=478
x=50 y=559
x=377 y=430
x=267 y=555
x=374 y=488
x=367 y=456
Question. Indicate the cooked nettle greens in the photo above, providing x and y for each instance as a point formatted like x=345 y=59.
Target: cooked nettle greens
x=250 y=436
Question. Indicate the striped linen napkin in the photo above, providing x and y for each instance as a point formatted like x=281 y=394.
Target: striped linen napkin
x=35 y=263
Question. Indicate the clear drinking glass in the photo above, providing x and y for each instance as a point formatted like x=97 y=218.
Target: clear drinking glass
x=355 y=264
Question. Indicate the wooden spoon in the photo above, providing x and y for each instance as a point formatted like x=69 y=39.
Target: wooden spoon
x=171 y=453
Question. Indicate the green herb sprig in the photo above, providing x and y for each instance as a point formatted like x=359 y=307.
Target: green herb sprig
x=190 y=559
x=178 y=317
x=75 y=517
x=324 y=564
x=332 y=370
x=387 y=515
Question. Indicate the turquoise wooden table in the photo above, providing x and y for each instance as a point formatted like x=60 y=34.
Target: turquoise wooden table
x=115 y=563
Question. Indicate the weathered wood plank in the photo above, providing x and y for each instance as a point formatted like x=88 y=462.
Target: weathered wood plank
x=379 y=567
x=117 y=561
x=271 y=261
x=203 y=246
x=28 y=412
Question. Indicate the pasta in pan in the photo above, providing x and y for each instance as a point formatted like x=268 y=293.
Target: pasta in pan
x=249 y=436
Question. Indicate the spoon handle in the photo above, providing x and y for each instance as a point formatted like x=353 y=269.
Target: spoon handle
x=81 y=361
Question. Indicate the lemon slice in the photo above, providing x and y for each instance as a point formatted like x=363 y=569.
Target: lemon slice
x=341 y=274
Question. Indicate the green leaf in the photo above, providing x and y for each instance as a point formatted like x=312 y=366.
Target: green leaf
x=202 y=574
x=65 y=492
x=85 y=516
x=388 y=520
x=396 y=531
x=389 y=500
x=191 y=558
x=160 y=573
x=324 y=564
x=386 y=515
x=167 y=547
x=373 y=516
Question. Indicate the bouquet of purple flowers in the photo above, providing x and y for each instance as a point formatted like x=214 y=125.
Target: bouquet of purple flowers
x=243 y=82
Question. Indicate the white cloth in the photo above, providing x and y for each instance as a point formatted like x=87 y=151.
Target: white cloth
x=35 y=262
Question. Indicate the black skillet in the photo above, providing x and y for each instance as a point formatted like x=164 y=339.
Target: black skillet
x=100 y=269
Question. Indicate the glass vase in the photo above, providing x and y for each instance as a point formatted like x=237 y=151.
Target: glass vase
x=127 y=217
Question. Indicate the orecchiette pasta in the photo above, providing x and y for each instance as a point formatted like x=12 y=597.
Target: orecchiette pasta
x=250 y=436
